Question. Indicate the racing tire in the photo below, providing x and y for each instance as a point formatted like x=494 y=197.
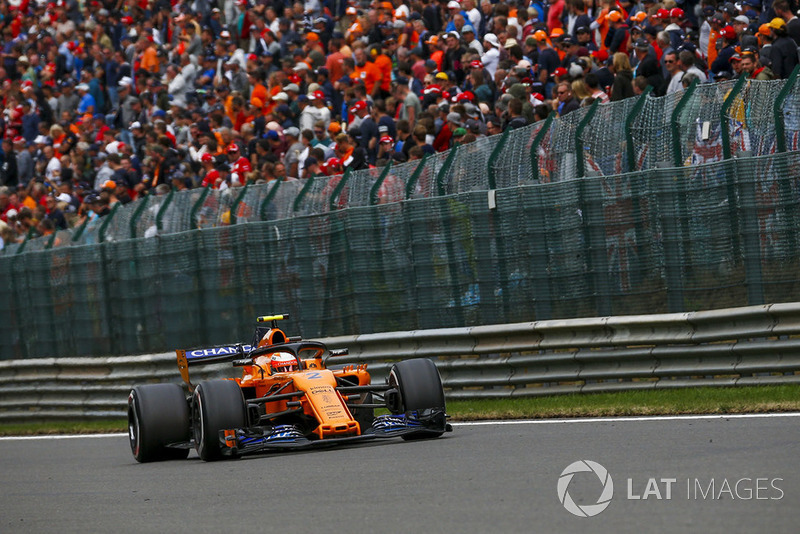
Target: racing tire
x=420 y=387
x=216 y=405
x=158 y=415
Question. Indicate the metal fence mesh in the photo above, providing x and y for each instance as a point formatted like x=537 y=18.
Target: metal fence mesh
x=547 y=243
x=513 y=164
x=652 y=134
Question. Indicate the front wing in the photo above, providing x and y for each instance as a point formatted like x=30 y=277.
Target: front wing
x=240 y=441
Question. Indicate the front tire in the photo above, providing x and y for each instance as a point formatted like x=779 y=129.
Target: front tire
x=158 y=415
x=420 y=389
x=216 y=405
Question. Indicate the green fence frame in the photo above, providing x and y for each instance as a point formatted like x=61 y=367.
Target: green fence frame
x=580 y=161
x=162 y=209
x=537 y=141
x=414 y=178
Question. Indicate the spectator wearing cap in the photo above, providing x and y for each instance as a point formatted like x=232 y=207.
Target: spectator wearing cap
x=491 y=57
x=295 y=148
x=647 y=66
x=130 y=105
x=454 y=51
x=569 y=47
x=548 y=61
x=68 y=101
x=109 y=191
x=239 y=164
x=369 y=132
x=385 y=149
x=468 y=36
x=584 y=37
x=674 y=28
x=619 y=34
x=210 y=175
x=305 y=119
x=320 y=108
x=601 y=26
x=716 y=23
x=729 y=42
x=740 y=24
x=24 y=70
x=783 y=51
x=782 y=9
x=444 y=138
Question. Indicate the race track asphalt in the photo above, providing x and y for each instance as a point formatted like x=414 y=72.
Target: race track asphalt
x=481 y=478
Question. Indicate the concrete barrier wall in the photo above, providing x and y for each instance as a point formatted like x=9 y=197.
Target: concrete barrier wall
x=739 y=346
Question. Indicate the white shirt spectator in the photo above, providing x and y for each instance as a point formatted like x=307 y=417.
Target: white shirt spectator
x=701 y=76
x=490 y=59
x=675 y=83
x=53 y=170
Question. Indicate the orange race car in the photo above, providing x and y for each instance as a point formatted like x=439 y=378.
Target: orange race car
x=287 y=398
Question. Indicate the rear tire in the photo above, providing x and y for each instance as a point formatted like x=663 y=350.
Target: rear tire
x=420 y=388
x=158 y=415
x=216 y=405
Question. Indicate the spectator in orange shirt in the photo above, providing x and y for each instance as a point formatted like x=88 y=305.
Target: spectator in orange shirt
x=258 y=91
x=366 y=71
x=384 y=64
x=149 y=59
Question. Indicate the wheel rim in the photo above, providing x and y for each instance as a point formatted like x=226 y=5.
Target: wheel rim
x=395 y=383
x=133 y=426
x=197 y=422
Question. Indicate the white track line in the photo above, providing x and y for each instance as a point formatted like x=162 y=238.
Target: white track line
x=628 y=419
x=496 y=423
x=61 y=436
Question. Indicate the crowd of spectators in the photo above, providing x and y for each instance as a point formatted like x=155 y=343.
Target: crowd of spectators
x=107 y=100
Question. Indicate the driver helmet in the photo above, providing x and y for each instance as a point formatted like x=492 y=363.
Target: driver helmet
x=283 y=362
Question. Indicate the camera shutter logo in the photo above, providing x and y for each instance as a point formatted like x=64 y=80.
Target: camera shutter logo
x=584 y=466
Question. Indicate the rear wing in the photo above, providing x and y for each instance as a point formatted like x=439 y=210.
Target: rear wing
x=229 y=353
x=208 y=355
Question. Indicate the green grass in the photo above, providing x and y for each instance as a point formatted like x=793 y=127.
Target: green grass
x=705 y=400
x=89 y=426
